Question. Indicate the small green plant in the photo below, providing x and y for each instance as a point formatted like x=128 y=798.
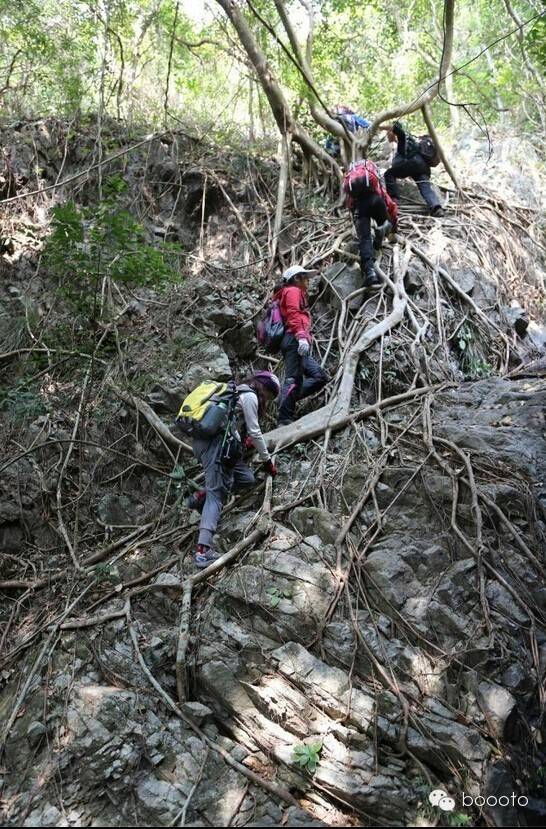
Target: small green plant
x=307 y=755
x=19 y=404
x=473 y=366
x=465 y=337
x=103 y=572
x=459 y=819
x=275 y=595
x=479 y=368
x=537 y=782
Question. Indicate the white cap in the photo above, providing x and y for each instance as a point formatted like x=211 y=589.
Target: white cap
x=294 y=271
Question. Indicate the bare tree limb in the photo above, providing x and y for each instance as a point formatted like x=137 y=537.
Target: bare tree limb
x=431 y=91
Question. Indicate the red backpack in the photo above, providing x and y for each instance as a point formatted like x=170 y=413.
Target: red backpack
x=362 y=178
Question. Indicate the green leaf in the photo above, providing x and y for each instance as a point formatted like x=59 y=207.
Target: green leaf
x=274 y=601
x=462 y=344
x=178 y=473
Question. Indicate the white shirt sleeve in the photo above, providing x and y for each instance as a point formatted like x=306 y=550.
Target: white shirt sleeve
x=248 y=402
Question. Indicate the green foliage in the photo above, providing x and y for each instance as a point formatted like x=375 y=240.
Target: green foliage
x=472 y=364
x=275 y=595
x=459 y=819
x=478 y=369
x=20 y=404
x=537 y=782
x=104 y=572
x=88 y=243
x=535 y=41
x=67 y=58
x=307 y=755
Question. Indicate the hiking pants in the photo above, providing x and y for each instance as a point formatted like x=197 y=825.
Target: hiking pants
x=417 y=169
x=303 y=376
x=219 y=481
x=368 y=207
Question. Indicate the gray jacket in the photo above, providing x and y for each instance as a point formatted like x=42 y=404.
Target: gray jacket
x=247 y=405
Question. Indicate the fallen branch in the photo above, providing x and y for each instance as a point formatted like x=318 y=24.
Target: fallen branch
x=155 y=422
x=94 y=620
x=317 y=422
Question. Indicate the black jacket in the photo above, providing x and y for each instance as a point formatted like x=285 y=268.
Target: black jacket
x=401 y=152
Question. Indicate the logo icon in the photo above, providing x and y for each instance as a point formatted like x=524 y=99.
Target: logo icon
x=442 y=800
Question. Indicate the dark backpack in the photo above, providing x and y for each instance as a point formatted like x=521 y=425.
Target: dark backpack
x=411 y=147
x=271 y=328
x=429 y=150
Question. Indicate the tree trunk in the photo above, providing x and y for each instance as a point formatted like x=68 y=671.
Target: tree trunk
x=272 y=89
x=434 y=136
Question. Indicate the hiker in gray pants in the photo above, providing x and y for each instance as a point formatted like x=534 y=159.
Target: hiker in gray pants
x=219 y=481
x=253 y=394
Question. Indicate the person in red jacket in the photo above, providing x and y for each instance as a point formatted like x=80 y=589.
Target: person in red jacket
x=303 y=375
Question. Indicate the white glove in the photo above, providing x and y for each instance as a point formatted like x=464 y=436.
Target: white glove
x=303 y=348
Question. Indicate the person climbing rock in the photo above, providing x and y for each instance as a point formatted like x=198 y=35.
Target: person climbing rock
x=414 y=159
x=252 y=396
x=303 y=375
x=352 y=123
x=368 y=199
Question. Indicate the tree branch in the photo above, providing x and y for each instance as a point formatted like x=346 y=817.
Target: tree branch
x=431 y=91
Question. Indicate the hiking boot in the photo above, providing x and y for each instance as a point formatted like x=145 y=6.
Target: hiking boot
x=372 y=281
x=380 y=233
x=197 y=500
x=437 y=211
x=204 y=556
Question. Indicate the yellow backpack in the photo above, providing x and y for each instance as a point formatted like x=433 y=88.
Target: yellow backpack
x=206 y=410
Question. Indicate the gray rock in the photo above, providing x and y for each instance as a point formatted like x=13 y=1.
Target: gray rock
x=502 y=601
x=499 y=782
x=392 y=575
x=161 y=800
x=343 y=281
x=116 y=510
x=315 y=521
x=517 y=678
x=517 y=318
x=416 y=276
x=537 y=335
x=497 y=705
x=222 y=316
x=168 y=579
x=167 y=397
x=242 y=338
x=35 y=733
x=213 y=364
x=197 y=711
x=465 y=279
x=46 y=815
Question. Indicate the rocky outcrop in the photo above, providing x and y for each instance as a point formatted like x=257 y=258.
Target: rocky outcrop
x=403 y=654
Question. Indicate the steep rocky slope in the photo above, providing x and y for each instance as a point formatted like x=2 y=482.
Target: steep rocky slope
x=390 y=610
